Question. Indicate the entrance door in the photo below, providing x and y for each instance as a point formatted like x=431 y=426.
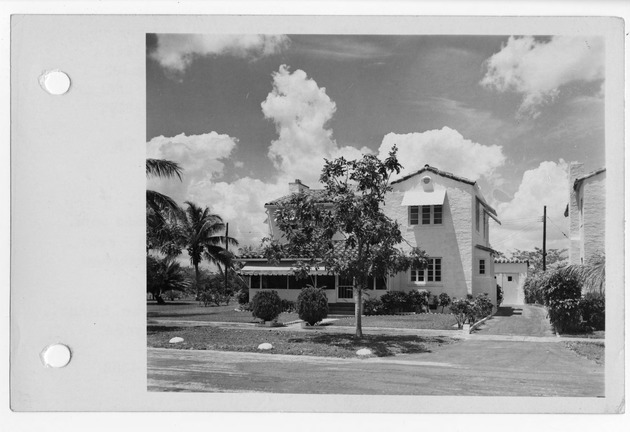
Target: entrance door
x=344 y=291
x=511 y=289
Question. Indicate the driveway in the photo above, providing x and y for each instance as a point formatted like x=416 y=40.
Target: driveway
x=518 y=320
x=468 y=367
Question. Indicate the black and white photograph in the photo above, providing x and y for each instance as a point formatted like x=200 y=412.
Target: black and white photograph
x=260 y=219
x=367 y=214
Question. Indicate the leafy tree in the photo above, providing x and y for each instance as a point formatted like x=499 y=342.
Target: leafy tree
x=556 y=258
x=164 y=275
x=354 y=194
x=200 y=232
x=444 y=301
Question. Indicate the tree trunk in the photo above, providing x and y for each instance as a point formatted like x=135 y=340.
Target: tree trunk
x=197 y=280
x=358 y=309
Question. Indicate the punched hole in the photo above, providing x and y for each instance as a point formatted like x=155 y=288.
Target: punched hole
x=56 y=356
x=55 y=82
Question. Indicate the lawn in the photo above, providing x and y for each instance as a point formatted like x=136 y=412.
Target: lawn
x=191 y=311
x=434 y=321
x=590 y=350
x=317 y=343
x=600 y=334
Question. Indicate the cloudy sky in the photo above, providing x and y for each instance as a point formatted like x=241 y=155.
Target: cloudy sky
x=245 y=115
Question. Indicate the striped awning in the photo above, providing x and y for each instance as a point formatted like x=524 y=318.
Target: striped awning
x=277 y=270
x=420 y=197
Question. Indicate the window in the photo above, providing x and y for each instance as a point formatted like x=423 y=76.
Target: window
x=482 y=266
x=437 y=214
x=433 y=272
x=509 y=278
x=426 y=215
x=378 y=284
x=413 y=215
x=254 y=281
x=274 y=281
x=295 y=283
x=326 y=282
x=431 y=215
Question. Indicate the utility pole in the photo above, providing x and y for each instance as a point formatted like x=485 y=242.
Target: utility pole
x=544 y=257
x=227 y=227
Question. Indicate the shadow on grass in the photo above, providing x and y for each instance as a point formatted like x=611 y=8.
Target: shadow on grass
x=154 y=329
x=380 y=345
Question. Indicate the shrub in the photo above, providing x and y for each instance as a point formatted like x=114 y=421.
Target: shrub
x=288 y=306
x=482 y=306
x=444 y=300
x=560 y=286
x=534 y=288
x=312 y=305
x=562 y=293
x=246 y=307
x=565 y=315
x=461 y=309
x=373 y=306
x=394 y=301
x=499 y=295
x=433 y=302
x=243 y=296
x=266 y=305
x=593 y=311
x=418 y=300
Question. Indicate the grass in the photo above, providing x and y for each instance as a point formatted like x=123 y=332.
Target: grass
x=192 y=311
x=590 y=350
x=600 y=334
x=434 y=321
x=287 y=342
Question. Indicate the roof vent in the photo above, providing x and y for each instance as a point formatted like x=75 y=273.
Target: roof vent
x=427 y=184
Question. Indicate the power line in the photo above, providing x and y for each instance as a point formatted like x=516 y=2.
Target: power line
x=559 y=229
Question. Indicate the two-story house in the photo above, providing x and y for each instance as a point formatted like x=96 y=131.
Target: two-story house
x=587 y=213
x=443 y=214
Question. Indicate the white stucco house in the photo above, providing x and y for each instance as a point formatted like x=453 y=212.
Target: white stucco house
x=587 y=213
x=443 y=214
x=511 y=275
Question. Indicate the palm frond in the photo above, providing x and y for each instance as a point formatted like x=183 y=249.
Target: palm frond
x=163 y=168
x=592 y=275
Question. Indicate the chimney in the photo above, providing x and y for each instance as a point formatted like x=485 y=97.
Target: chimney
x=297 y=186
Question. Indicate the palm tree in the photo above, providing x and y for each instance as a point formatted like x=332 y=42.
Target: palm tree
x=201 y=233
x=164 y=275
x=160 y=207
x=592 y=274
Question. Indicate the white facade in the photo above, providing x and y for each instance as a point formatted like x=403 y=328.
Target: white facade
x=587 y=213
x=440 y=213
x=511 y=275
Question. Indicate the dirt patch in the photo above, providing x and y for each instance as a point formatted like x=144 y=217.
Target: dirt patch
x=287 y=342
x=592 y=351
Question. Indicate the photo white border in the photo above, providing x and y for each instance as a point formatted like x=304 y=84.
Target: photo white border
x=180 y=401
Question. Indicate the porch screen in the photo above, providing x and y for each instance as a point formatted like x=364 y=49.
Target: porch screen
x=295 y=283
x=274 y=282
x=326 y=282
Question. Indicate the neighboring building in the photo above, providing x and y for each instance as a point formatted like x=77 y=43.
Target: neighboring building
x=511 y=275
x=443 y=214
x=587 y=213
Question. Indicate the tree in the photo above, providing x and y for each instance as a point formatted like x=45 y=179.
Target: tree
x=161 y=209
x=164 y=275
x=354 y=193
x=556 y=258
x=592 y=275
x=200 y=233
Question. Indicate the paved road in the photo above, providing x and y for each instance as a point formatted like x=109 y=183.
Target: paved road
x=521 y=320
x=468 y=367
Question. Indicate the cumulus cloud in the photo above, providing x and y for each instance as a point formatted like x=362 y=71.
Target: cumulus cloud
x=537 y=69
x=445 y=149
x=175 y=52
x=200 y=157
x=545 y=185
x=301 y=110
